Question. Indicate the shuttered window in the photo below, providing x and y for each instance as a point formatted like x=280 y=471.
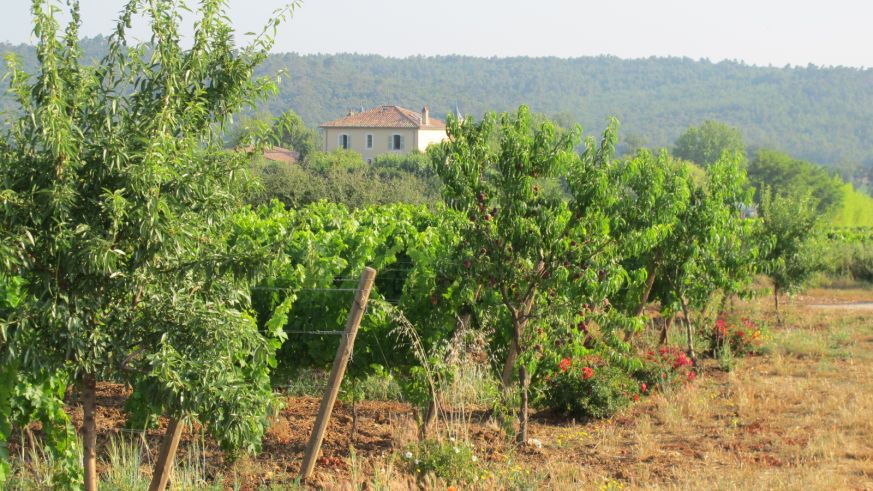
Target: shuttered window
x=344 y=141
x=395 y=142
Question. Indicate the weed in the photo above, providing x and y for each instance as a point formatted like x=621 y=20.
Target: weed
x=450 y=460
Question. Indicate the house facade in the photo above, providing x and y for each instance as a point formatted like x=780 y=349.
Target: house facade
x=383 y=130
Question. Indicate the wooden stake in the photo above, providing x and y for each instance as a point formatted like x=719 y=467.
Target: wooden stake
x=337 y=372
x=167 y=455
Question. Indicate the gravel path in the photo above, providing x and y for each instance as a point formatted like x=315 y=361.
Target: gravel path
x=844 y=306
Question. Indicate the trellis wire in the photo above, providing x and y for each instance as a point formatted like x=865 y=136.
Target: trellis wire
x=317 y=333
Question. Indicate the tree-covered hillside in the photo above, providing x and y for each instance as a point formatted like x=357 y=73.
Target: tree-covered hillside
x=823 y=115
x=819 y=114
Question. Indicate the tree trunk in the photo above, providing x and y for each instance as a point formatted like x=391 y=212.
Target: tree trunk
x=689 y=332
x=167 y=455
x=776 y=303
x=519 y=320
x=522 y=412
x=668 y=321
x=430 y=416
x=725 y=300
x=511 y=358
x=650 y=282
x=644 y=300
x=89 y=431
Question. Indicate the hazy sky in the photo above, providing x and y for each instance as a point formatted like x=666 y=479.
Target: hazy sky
x=761 y=32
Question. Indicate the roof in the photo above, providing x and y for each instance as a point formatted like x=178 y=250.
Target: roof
x=277 y=154
x=385 y=117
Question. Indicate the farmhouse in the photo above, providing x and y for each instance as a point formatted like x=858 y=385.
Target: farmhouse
x=384 y=129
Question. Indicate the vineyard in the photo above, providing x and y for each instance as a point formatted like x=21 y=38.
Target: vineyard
x=554 y=304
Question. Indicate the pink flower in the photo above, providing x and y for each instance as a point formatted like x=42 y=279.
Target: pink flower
x=643 y=388
x=691 y=376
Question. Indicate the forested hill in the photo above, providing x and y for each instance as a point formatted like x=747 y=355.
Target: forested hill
x=819 y=114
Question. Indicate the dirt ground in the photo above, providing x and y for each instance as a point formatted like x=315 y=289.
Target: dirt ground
x=799 y=417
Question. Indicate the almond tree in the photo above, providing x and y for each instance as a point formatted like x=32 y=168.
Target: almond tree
x=115 y=191
x=789 y=232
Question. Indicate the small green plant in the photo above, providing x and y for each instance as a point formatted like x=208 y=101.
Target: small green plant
x=125 y=465
x=451 y=460
x=379 y=385
x=305 y=382
x=839 y=343
x=35 y=467
x=726 y=359
x=514 y=475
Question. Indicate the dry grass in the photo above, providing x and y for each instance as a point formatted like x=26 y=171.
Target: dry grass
x=800 y=417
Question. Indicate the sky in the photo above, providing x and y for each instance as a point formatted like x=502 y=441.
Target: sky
x=758 y=32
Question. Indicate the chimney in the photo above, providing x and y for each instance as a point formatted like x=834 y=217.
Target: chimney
x=425 y=116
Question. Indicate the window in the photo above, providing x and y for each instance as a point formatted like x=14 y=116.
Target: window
x=344 y=141
x=369 y=141
x=395 y=142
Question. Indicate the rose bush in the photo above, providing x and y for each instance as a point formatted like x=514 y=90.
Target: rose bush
x=588 y=387
x=667 y=367
x=741 y=336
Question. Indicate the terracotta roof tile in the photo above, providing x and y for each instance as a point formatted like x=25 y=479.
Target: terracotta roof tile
x=277 y=154
x=385 y=117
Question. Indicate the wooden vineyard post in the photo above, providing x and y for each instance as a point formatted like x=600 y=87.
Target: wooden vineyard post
x=167 y=454
x=337 y=372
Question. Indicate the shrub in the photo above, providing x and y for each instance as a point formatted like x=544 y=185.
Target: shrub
x=740 y=338
x=589 y=388
x=667 y=367
x=451 y=460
